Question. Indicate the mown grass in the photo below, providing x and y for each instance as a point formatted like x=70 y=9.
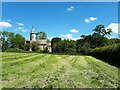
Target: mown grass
x=33 y=70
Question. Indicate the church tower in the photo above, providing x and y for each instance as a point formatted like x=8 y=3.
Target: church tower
x=33 y=34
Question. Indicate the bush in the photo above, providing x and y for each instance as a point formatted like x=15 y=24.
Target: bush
x=15 y=50
x=27 y=47
x=110 y=54
x=39 y=51
x=65 y=47
x=83 y=49
x=34 y=46
x=46 y=50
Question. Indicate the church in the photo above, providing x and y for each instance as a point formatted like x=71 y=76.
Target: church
x=42 y=43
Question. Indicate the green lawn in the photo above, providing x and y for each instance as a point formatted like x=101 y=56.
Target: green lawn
x=32 y=70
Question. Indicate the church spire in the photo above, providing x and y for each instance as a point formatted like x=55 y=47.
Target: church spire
x=33 y=30
x=33 y=34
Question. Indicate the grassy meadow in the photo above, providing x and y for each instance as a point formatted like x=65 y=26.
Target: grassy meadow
x=33 y=70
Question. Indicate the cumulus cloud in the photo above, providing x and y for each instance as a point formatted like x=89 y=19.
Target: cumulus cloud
x=90 y=19
x=20 y=24
x=4 y=24
x=87 y=20
x=70 y=8
x=74 y=31
x=69 y=37
x=76 y=38
x=114 y=26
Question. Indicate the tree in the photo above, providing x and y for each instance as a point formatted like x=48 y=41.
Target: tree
x=100 y=29
x=27 y=46
x=6 y=39
x=41 y=35
x=18 y=41
x=46 y=50
x=11 y=40
x=83 y=45
x=83 y=36
x=115 y=40
x=34 y=46
x=55 y=40
x=65 y=47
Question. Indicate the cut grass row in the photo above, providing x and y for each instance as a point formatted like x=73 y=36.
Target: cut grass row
x=32 y=70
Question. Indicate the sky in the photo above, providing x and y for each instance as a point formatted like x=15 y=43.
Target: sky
x=68 y=20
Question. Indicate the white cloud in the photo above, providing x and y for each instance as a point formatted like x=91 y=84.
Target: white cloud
x=69 y=37
x=21 y=29
x=114 y=27
x=20 y=24
x=76 y=38
x=4 y=24
x=74 y=31
x=90 y=19
x=70 y=8
x=25 y=30
x=87 y=20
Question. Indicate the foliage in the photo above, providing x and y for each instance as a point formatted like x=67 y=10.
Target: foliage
x=11 y=40
x=110 y=54
x=46 y=50
x=41 y=35
x=39 y=51
x=100 y=29
x=115 y=40
x=6 y=39
x=34 y=46
x=91 y=42
x=82 y=48
x=55 y=40
x=97 y=40
x=18 y=41
x=15 y=50
x=27 y=46
x=65 y=47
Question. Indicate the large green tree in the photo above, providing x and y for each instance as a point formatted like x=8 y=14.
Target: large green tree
x=11 y=40
x=100 y=29
x=65 y=47
x=54 y=41
x=41 y=35
x=6 y=38
x=18 y=41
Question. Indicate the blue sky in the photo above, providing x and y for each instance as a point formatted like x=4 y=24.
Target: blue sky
x=67 y=20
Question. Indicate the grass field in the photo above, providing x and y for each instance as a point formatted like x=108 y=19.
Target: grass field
x=32 y=70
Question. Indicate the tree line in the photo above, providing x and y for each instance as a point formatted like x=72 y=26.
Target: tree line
x=97 y=44
x=99 y=38
x=16 y=42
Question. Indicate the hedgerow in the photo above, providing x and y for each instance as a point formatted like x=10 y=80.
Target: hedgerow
x=110 y=54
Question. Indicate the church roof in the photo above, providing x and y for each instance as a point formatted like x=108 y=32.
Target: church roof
x=33 y=30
